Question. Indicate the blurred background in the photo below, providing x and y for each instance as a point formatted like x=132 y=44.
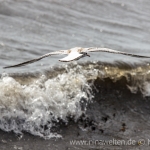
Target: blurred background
x=30 y=28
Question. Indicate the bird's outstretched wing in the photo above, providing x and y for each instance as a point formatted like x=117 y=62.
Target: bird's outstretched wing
x=72 y=56
x=61 y=52
x=112 y=51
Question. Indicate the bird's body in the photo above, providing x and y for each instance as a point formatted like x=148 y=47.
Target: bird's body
x=75 y=54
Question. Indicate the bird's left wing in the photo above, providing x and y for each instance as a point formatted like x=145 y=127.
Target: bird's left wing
x=92 y=49
x=61 y=52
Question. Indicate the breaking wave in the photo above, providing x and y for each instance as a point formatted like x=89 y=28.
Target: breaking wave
x=35 y=102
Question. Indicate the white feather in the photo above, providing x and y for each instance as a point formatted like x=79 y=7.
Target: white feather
x=72 y=56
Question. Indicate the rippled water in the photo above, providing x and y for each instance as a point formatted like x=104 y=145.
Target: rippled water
x=32 y=28
x=36 y=95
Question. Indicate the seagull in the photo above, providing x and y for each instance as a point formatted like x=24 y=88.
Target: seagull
x=75 y=54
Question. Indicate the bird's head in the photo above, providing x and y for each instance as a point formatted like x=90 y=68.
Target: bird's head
x=85 y=54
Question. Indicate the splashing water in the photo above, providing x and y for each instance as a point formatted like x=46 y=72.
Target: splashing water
x=32 y=107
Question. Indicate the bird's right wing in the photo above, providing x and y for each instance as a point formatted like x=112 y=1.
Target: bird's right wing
x=61 y=52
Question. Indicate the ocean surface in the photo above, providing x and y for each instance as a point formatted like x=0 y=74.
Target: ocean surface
x=37 y=98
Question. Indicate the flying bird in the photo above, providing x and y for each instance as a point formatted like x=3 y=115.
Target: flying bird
x=75 y=54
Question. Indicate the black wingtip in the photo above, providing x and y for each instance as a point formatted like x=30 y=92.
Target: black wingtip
x=5 y=67
x=8 y=67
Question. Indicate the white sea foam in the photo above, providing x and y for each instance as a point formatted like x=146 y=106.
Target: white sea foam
x=146 y=89
x=30 y=107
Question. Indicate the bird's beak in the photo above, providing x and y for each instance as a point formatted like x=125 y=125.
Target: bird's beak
x=88 y=55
